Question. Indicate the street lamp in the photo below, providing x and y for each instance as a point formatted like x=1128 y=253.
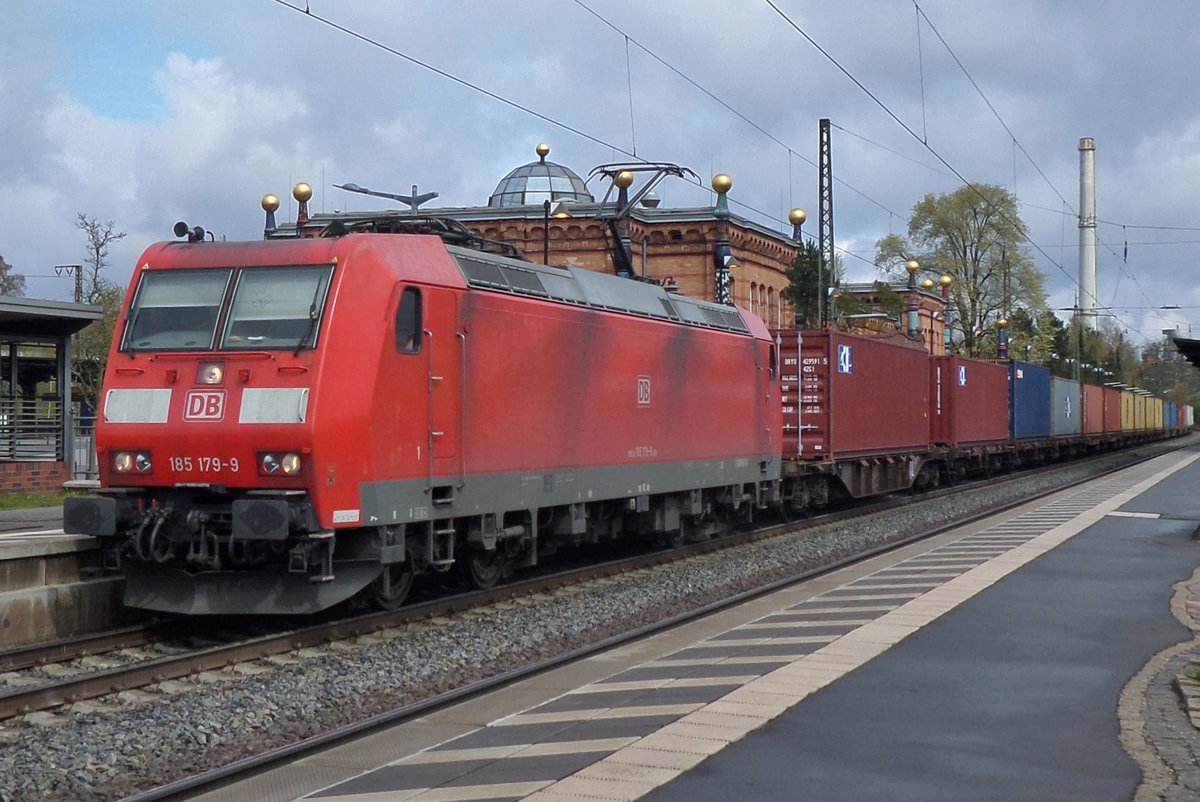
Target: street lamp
x=797 y=217
x=912 y=266
x=946 y=280
x=722 y=253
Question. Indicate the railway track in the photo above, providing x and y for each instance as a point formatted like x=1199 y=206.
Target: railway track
x=52 y=676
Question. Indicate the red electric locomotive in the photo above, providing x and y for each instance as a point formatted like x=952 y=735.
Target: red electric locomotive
x=291 y=422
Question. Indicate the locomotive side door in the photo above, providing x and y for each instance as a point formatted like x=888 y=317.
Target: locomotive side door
x=444 y=347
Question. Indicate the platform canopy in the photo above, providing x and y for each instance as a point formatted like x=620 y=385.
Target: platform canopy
x=1189 y=348
x=25 y=317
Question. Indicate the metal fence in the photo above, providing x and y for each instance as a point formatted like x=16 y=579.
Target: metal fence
x=31 y=430
x=83 y=458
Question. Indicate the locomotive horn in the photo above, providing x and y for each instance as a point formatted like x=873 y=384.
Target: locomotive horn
x=194 y=234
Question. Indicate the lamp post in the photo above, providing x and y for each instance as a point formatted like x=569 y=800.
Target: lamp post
x=946 y=280
x=797 y=217
x=722 y=253
x=1002 y=338
x=912 y=266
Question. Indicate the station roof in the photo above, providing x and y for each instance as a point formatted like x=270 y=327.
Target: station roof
x=28 y=317
x=1189 y=348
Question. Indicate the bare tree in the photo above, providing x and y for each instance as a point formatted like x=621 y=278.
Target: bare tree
x=99 y=236
x=91 y=346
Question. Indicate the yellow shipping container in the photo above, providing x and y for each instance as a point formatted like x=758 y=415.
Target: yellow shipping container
x=1156 y=413
x=1140 y=417
x=1126 y=411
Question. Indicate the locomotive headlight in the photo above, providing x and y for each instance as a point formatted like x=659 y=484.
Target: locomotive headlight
x=132 y=462
x=210 y=372
x=288 y=464
x=291 y=464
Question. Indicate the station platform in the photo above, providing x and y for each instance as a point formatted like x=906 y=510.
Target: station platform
x=1018 y=658
x=48 y=586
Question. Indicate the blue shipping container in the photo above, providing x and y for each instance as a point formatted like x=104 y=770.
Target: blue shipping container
x=1170 y=415
x=1029 y=400
x=1065 y=407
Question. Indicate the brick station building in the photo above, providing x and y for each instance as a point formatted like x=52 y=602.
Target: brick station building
x=668 y=245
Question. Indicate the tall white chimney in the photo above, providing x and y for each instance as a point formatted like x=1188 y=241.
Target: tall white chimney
x=1087 y=232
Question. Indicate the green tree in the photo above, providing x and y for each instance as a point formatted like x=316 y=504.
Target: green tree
x=10 y=283
x=810 y=279
x=975 y=235
x=1035 y=336
x=91 y=345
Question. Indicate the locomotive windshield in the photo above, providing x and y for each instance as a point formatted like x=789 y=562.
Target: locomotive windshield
x=270 y=308
x=176 y=309
x=276 y=307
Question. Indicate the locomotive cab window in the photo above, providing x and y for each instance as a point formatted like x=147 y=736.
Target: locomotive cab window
x=408 y=321
x=175 y=310
x=277 y=307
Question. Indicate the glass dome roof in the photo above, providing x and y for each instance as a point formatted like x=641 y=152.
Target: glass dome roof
x=539 y=181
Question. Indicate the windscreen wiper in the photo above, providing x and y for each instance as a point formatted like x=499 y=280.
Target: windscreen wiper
x=312 y=320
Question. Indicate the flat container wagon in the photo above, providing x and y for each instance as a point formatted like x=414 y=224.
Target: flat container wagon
x=849 y=385
x=1091 y=406
x=1127 y=411
x=968 y=401
x=1112 y=409
x=1029 y=400
x=1065 y=403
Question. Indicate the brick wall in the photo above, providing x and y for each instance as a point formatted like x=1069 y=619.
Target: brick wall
x=32 y=477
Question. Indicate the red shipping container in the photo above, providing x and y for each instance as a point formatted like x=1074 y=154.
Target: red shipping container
x=1181 y=416
x=1112 y=409
x=1093 y=409
x=859 y=396
x=968 y=401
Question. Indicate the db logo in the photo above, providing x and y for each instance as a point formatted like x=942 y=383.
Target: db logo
x=643 y=391
x=204 y=405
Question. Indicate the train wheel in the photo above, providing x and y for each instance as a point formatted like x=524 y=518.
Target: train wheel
x=673 y=540
x=483 y=569
x=391 y=589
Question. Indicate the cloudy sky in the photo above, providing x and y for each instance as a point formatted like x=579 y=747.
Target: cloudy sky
x=145 y=113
